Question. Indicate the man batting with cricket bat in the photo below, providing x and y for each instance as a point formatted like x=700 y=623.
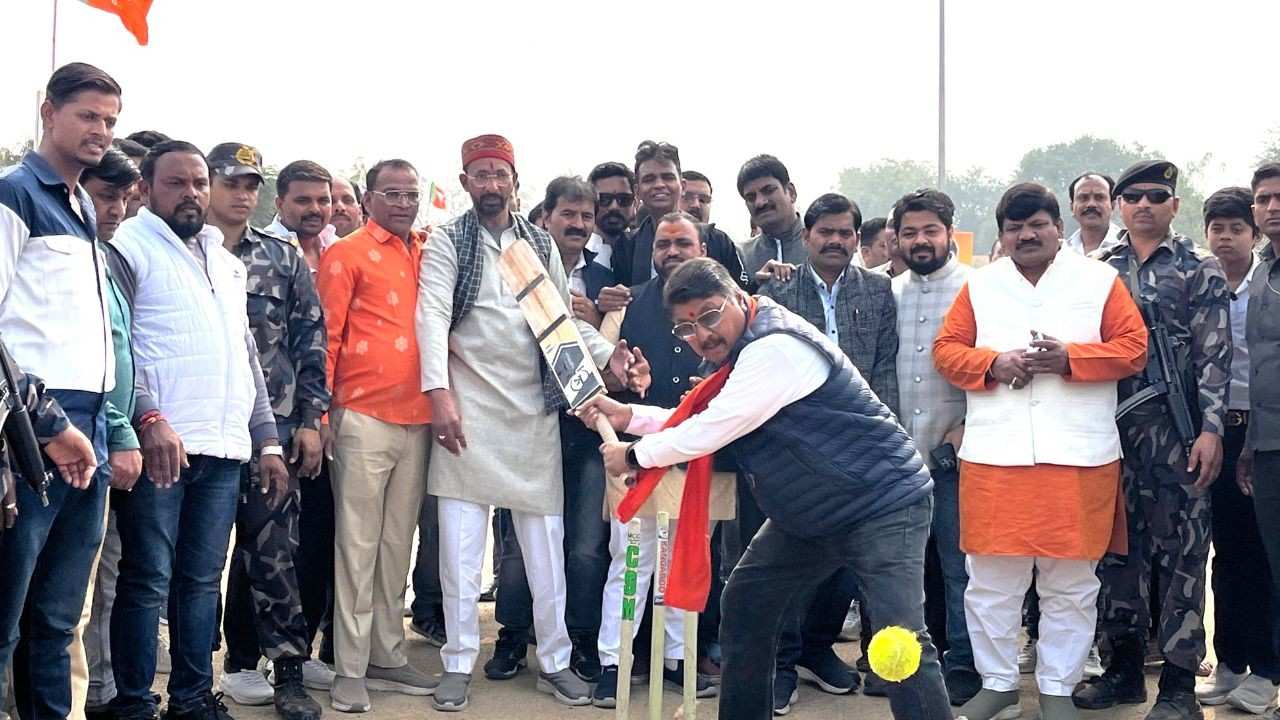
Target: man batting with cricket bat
x=837 y=476
x=494 y=398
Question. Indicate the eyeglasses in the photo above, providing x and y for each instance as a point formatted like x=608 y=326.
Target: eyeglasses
x=620 y=199
x=1155 y=196
x=399 y=197
x=485 y=177
x=709 y=320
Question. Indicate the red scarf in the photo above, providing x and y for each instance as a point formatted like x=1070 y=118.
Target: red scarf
x=690 y=578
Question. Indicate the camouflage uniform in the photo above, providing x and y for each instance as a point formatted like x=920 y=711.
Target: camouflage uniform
x=1168 y=521
x=287 y=323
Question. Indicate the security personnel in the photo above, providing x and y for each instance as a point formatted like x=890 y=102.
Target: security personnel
x=264 y=603
x=1166 y=472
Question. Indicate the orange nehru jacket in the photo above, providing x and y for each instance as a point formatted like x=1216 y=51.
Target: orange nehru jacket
x=1056 y=511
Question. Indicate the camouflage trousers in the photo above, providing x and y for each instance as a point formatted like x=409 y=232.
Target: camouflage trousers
x=1169 y=532
x=263 y=605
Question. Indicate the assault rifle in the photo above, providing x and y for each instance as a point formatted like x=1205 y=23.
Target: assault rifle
x=19 y=437
x=1166 y=380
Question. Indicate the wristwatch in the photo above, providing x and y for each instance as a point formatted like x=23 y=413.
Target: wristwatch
x=276 y=450
x=632 y=461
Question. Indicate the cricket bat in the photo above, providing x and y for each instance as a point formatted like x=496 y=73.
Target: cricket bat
x=552 y=324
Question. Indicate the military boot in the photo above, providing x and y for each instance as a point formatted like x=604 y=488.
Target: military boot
x=291 y=699
x=1121 y=684
x=1176 y=699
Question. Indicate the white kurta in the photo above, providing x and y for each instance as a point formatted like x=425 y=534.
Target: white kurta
x=491 y=362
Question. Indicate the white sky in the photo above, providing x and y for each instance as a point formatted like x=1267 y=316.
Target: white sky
x=821 y=84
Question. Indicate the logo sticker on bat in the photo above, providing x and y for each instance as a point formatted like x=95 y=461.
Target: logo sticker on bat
x=574 y=374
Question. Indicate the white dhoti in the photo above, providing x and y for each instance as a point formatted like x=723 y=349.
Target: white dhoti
x=1068 y=592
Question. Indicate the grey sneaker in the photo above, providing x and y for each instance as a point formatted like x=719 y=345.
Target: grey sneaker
x=991 y=705
x=1057 y=707
x=452 y=692
x=1221 y=685
x=565 y=687
x=406 y=680
x=1255 y=695
x=349 y=695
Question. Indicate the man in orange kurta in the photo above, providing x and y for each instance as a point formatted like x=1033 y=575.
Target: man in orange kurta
x=1037 y=340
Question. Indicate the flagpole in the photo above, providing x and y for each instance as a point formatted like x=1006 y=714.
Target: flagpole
x=53 y=46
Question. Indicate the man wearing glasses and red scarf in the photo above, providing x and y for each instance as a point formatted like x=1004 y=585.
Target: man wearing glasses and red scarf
x=837 y=476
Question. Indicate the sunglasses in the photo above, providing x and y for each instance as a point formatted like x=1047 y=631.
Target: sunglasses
x=709 y=320
x=1155 y=196
x=619 y=199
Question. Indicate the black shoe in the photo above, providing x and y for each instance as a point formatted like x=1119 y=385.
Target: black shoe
x=508 y=659
x=137 y=711
x=962 y=684
x=1122 y=683
x=210 y=707
x=875 y=686
x=585 y=660
x=1176 y=705
x=828 y=672
x=431 y=631
x=605 y=693
x=675 y=678
x=784 y=692
x=290 y=698
x=490 y=594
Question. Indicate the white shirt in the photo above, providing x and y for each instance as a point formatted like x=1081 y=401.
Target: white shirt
x=602 y=249
x=1239 y=393
x=750 y=396
x=1112 y=238
x=828 y=298
x=577 y=277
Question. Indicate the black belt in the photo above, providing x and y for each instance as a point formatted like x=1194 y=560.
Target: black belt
x=1237 y=418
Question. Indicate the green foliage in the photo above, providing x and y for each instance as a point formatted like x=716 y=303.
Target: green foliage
x=976 y=193
x=266 y=209
x=13 y=155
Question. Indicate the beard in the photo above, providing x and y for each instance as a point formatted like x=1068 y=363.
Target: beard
x=925 y=267
x=490 y=204
x=186 y=220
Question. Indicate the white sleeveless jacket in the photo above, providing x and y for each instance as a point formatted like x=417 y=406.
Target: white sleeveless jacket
x=189 y=326
x=1051 y=420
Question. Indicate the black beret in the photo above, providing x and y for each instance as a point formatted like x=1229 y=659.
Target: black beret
x=1161 y=172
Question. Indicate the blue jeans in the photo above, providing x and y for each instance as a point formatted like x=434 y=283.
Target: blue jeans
x=46 y=559
x=177 y=535
x=586 y=546
x=946 y=536
x=887 y=555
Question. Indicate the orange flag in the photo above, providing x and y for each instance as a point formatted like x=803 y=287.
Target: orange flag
x=133 y=13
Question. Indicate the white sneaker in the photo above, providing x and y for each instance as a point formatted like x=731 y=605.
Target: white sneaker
x=1027 y=657
x=247 y=687
x=315 y=675
x=852 y=629
x=1255 y=695
x=1093 y=664
x=1215 y=690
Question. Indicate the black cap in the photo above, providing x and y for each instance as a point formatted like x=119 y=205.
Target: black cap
x=1160 y=172
x=232 y=159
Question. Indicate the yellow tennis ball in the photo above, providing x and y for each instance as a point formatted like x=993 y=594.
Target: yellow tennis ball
x=894 y=653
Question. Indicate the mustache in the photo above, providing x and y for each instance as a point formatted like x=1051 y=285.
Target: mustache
x=575 y=232
x=491 y=197
x=188 y=205
x=762 y=210
x=837 y=247
x=922 y=247
x=312 y=216
x=613 y=215
x=1092 y=211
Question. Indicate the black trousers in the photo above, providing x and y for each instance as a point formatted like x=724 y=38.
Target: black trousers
x=314 y=559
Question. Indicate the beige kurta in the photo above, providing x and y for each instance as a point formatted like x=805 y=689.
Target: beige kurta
x=491 y=362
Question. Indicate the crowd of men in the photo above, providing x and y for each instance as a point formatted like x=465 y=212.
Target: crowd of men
x=1047 y=444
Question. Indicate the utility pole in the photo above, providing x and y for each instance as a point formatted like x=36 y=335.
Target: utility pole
x=942 y=93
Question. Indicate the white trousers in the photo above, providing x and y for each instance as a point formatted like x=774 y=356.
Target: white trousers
x=610 y=640
x=1068 y=615
x=464 y=526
